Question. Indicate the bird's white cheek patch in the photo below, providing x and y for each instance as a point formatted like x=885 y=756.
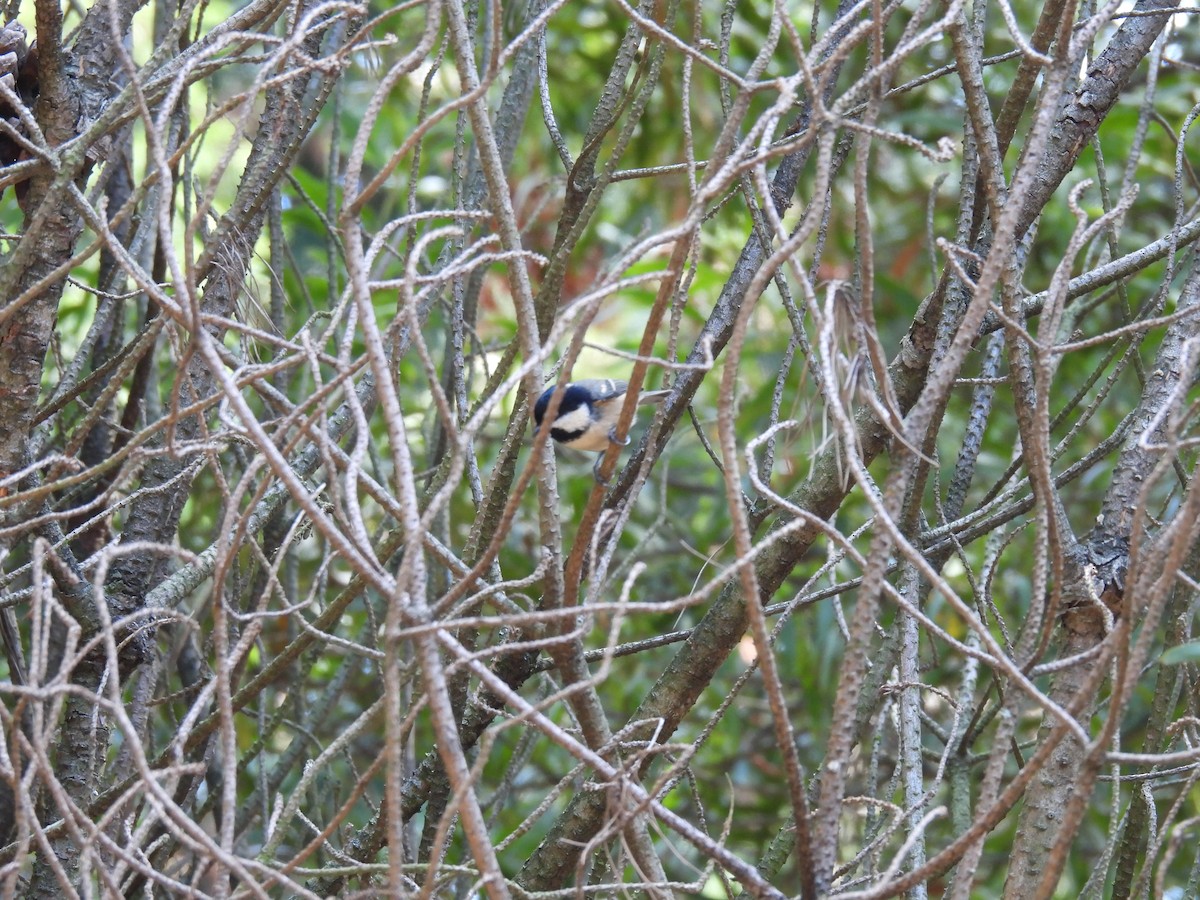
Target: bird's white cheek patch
x=576 y=420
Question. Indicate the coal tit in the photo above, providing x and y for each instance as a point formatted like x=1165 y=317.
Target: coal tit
x=587 y=416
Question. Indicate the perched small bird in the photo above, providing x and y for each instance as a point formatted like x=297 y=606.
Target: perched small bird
x=588 y=413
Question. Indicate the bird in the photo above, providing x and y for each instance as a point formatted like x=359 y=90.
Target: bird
x=588 y=412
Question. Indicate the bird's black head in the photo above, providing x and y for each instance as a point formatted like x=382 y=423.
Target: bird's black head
x=573 y=398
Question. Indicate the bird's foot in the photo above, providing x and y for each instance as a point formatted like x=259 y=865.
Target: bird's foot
x=596 y=470
x=612 y=436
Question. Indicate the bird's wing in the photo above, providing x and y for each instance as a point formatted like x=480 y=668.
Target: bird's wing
x=604 y=388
